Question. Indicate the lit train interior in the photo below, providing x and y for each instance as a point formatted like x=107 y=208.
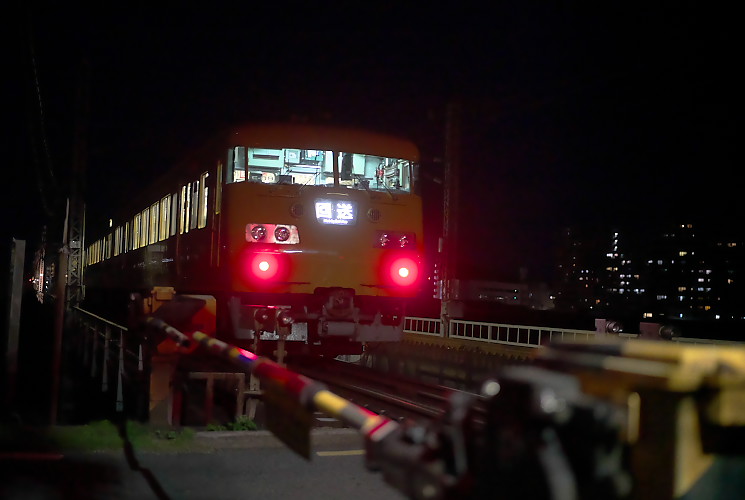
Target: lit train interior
x=316 y=167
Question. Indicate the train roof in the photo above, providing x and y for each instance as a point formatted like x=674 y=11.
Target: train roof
x=305 y=136
x=272 y=135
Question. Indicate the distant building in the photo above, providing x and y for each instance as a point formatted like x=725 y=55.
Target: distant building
x=685 y=273
x=693 y=274
x=579 y=263
x=621 y=284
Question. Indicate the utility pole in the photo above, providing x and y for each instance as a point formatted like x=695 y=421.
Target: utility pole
x=76 y=228
x=69 y=291
x=60 y=301
x=451 y=202
x=18 y=251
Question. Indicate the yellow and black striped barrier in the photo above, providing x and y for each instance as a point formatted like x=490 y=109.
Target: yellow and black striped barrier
x=295 y=395
x=667 y=421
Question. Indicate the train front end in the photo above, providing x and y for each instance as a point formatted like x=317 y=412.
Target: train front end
x=321 y=236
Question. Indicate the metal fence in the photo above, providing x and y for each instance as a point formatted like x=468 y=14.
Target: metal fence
x=519 y=335
x=423 y=326
x=109 y=353
x=497 y=333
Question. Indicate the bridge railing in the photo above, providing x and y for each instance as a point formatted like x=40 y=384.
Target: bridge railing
x=498 y=333
x=423 y=326
x=520 y=335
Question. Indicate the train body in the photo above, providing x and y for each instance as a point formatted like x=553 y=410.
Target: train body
x=307 y=234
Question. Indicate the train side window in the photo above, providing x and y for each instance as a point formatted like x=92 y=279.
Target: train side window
x=154 y=222
x=183 y=226
x=194 y=205
x=137 y=229
x=165 y=215
x=132 y=235
x=126 y=237
x=145 y=229
x=237 y=162
x=203 y=200
x=174 y=214
x=117 y=240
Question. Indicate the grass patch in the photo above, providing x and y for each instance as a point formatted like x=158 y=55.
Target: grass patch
x=242 y=423
x=98 y=436
x=101 y=435
x=104 y=435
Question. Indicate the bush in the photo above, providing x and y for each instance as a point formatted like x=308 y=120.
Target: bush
x=242 y=423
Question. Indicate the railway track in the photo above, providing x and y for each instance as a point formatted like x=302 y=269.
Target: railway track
x=395 y=396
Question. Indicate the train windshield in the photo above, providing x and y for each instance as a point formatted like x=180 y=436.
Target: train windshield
x=317 y=167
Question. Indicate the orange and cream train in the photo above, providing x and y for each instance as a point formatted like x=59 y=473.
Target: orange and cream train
x=306 y=233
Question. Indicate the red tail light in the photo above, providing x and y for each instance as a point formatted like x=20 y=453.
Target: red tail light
x=264 y=266
x=404 y=271
x=263 y=269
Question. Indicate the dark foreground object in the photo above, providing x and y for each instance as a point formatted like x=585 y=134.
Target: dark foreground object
x=220 y=466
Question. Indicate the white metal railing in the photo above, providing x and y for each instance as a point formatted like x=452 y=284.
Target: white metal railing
x=498 y=333
x=103 y=347
x=519 y=335
x=423 y=326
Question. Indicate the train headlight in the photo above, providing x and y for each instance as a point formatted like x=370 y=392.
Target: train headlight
x=258 y=232
x=403 y=241
x=281 y=233
x=284 y=234
x=383 y=239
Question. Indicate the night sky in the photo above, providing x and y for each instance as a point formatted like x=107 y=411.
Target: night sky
x=570 y=115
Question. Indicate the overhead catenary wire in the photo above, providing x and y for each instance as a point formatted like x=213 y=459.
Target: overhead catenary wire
x=44 y=160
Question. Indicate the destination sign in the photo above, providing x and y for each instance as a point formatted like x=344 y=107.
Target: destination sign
x=336 y=212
